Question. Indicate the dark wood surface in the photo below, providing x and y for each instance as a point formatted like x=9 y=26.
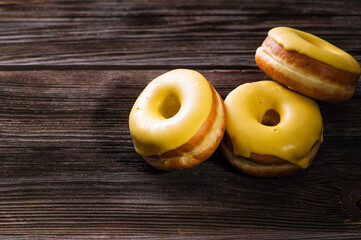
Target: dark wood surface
x=70 y=72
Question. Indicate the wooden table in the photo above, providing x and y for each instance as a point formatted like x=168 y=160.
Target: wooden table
x=70 y=72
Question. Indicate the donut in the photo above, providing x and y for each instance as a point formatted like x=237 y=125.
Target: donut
x=308 y=65
x=271 y=131
x=177 y=121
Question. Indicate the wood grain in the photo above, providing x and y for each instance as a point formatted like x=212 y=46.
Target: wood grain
x=142 y=34
x=68 y=167
x=69 y=74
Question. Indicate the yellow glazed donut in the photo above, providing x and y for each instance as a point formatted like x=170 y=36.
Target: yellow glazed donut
x=177 y=121
x=308 y=65
x=271 y=131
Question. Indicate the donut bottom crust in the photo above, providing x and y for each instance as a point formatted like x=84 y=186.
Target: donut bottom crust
x=264 y=166
x=200 y=147
x=306 y=76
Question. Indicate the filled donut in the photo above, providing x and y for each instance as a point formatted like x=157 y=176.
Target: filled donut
x=308 y=65
x=178 y=120
x=271 y=131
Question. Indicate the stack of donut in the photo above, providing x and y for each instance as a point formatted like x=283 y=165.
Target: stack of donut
x=282 y=130
x=269 y=128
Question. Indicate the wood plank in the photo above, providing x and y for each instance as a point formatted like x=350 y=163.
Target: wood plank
x=139 y=34
x=68 y=167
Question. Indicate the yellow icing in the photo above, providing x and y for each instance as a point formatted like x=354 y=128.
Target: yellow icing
x=291 y=139
x=169 y=111
x=314 y=47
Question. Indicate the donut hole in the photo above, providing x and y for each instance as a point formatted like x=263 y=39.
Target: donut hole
x=320 y=43
x=271 y=118
x=169 y=106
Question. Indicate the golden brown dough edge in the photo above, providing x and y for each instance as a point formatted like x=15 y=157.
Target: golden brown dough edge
x=305 y=75
x=201 y=146
x=258 y=169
